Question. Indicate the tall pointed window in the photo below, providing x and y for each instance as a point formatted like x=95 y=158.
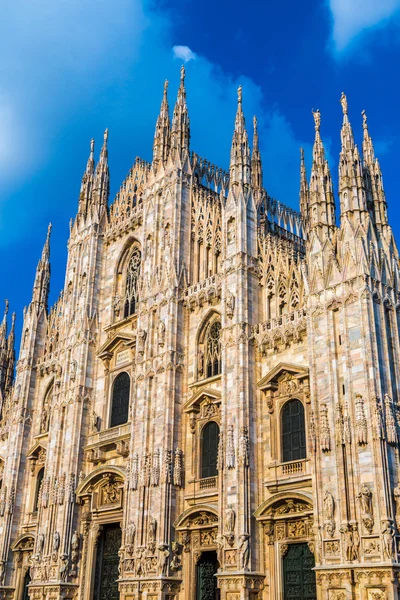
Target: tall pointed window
x=213 y=350
x=293 y=431
x=209 y=449
x=39 y=481
x=120 y=400
x=131 y=285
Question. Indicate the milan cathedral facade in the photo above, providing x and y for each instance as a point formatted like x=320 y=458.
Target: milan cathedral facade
x=211 y=409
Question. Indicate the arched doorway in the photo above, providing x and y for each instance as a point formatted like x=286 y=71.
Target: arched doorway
x=206 y=582
x=107 y=562
x=298 y=574
x=26 y=582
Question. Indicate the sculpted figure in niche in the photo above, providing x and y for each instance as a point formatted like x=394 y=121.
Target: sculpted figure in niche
x=396 y=493
x=56 y=541
x=244 y=550
x=164 y=557
x=365 y=497
x=329 y=506
x=388 y=540
x=152 y=529
x=130 y=534
x=230 y=518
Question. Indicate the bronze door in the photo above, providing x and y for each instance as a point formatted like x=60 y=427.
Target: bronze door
x=298 y=576
x=107 y=562
x=206 y=585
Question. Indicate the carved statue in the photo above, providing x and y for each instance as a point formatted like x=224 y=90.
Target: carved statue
x=2 y=570
x=164 y=558
x=347 y=542
x=220 y=548
x=56 y=541
x=244 y=550
x=365 y=497
x=396 y=493
x=343 y=102
x=110 y=492
x=388 y=534
x=178 y=468
x=329 y=506
x=200 y=362
x=152 y=529
x=44 y=420
x=161 y=333
x=74 y=546
x=40 y=545
x=317 y=118
x=130 y=534
x=356 y=543
x=230 y=304
x=64 y=567
x=117 y=305
x=244 y=447
x=230 y=518
x=141 y=340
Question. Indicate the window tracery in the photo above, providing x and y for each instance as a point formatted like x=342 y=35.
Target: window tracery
x=131 y=283
x=38 y=488
x=212 y=356
x=120 y=400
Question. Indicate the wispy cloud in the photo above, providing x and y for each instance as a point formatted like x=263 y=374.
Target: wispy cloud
x=184 y=53
x=353 y=18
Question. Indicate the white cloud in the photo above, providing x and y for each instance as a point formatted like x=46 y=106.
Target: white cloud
x=184 y=53
x=351 y=18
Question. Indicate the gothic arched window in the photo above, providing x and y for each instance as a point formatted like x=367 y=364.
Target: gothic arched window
x=209 y=449
x=39 y=481
x=212 y=357
x=293 y=431
x=131 y=284
x=120 y=400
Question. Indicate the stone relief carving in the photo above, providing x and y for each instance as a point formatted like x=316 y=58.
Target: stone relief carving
x=155 y=471
x=396 y=494
x=161 y=334
x=361 y=421
x=325 y=436
x=391 y=433
x=244 y=447
x=230 y=448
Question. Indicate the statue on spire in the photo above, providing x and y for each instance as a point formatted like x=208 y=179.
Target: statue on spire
x=239 y=93
x=364 y=116
x=343 y=102
x=317 y=118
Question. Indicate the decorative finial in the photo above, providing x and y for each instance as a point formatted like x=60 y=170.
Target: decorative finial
x=343 y=102
x=255 y=123
x=183 y=73
x=317 y=118
x=49 y=230
x=6 y=308
x=239 y=92
x=106 y=135
x=302 y=154
x=364 y=116
x=92 y=145
x=166 y=83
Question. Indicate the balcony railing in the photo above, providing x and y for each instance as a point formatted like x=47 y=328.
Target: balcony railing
x=208 y=483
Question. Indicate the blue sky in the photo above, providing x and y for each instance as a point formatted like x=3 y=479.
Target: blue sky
x=71 y=68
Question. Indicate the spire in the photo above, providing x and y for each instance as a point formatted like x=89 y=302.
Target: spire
x=320 y=212
x=353 y=199
x=162 y=136
x=41 y=286
x=10 y=354
x=102 y=176
x=347 y=132
x=256 y=165
x=377 y=204
x=3 y=328
x=87 y=182
x=367 y=146
x=180 y=133
x=240 y=151
x=304 y=192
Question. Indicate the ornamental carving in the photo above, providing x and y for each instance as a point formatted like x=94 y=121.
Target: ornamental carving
x=365 y=500
x=110 y=492
x=296 y=529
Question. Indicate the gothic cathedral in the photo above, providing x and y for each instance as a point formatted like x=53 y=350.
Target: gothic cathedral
x=210 y=409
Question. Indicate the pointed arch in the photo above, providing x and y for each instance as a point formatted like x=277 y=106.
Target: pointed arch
x=209 y=352
x=127 y=278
